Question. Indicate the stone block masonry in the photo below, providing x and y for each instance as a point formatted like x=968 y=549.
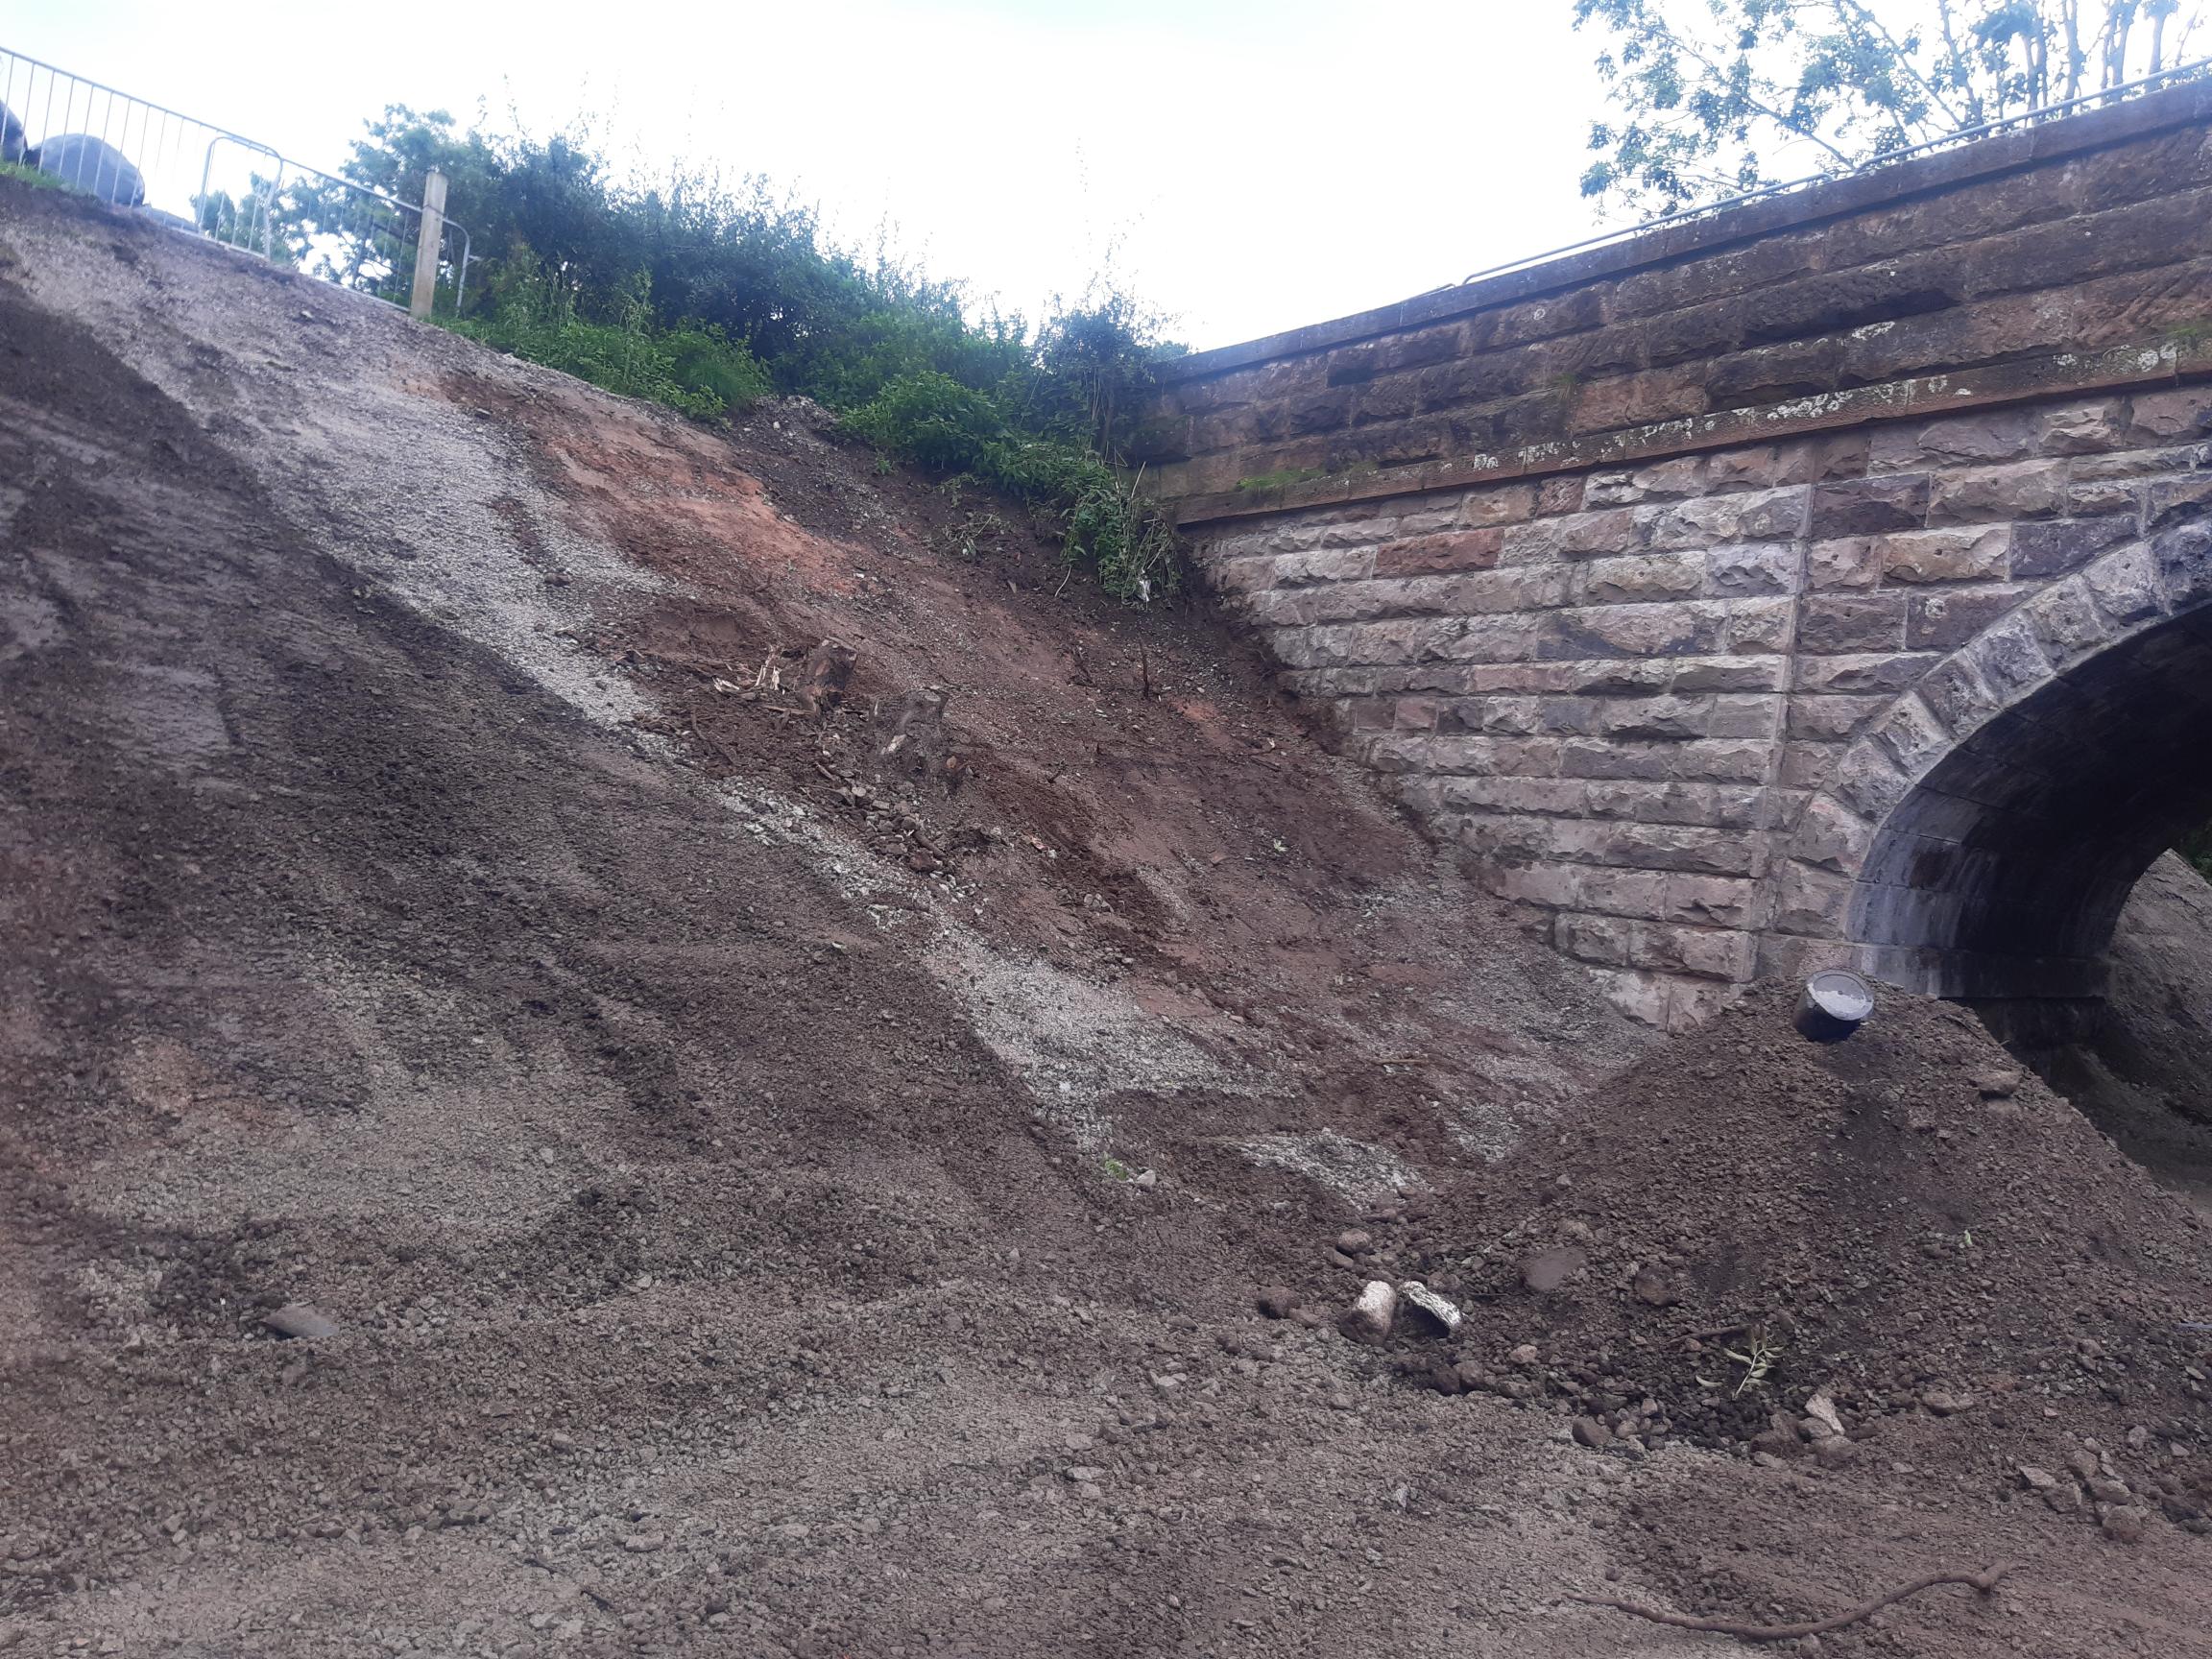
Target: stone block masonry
x=1668 y=590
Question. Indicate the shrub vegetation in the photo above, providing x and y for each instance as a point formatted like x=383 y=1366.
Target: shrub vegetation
x=705 y=298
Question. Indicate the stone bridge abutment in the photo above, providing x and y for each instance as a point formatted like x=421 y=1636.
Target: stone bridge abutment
x=1823 y=582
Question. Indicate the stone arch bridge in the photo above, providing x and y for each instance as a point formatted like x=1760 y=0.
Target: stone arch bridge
x=1825 y=581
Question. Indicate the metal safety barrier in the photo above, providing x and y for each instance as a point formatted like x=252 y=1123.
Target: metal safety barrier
x=209 y=181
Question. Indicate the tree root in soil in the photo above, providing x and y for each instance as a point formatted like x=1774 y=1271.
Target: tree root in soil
x=1985 y=1581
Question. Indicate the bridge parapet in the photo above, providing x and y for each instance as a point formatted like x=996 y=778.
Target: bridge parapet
x=1705 y=599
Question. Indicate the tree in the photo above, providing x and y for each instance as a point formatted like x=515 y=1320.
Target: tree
x=402 y=146
x=1715 y=97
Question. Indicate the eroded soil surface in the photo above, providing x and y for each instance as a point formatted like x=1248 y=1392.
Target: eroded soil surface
x=794 y=1173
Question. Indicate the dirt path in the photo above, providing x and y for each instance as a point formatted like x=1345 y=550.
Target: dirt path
x=771 y=1200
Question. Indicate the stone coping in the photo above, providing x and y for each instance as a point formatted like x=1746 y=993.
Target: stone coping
x=2185 y=104
x=2057 y=374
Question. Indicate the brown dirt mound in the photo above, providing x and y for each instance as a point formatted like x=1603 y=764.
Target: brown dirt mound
x=1907 y=1221
x=758 y=1217
x=774 y=1205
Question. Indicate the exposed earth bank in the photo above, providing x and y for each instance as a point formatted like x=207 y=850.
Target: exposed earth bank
x=793 y=1163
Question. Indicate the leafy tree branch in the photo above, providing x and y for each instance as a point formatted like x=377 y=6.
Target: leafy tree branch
x=1711 y=98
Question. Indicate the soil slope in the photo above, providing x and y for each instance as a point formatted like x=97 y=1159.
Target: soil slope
x=789 y=1172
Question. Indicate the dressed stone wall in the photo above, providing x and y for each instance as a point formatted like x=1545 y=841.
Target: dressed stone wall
x=1695 y=597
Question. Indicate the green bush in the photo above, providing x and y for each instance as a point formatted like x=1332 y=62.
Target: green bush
x=698 y=372
x=708 y=363
x=1126 y=539
x=703 y=296
x=885 y=341
x=931 y=420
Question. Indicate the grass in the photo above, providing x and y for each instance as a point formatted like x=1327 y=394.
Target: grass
x=31 y=175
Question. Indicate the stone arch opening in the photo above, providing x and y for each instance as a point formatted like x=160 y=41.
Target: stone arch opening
x=1998 y=875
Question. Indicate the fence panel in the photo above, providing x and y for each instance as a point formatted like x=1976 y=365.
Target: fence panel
x=204 y=180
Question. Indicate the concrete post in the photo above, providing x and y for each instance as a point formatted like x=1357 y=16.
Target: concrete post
x=426 y=248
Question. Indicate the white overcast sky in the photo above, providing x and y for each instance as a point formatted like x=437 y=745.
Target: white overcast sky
x=1257 y=165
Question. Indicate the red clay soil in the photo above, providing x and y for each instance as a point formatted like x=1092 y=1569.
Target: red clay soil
x=1919 y=1231
x=779 y=1197
x=1908 y=1215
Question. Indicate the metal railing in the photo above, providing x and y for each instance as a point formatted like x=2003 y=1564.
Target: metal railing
x=210 y=181
x=2198 y=70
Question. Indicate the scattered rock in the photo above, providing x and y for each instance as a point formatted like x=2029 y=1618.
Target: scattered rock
x=1369 y=1320
x=1997 y=1083
x=1278 y=1302
x=1834 y=1451
x=1821 y=1410
x=301 y=1322
x=1433 y=1371
x=644 y=1542
x=1946 y=1405
x=1654 y=1287
x=2037 y=1479
x=1353 y=1241
x=1778 y=1442
x=1590 y=1432
x=1547 y=1269
x=2125 y=1523
x=1436 y=1313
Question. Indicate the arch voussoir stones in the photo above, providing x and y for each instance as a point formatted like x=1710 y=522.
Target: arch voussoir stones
x=1966 y=795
